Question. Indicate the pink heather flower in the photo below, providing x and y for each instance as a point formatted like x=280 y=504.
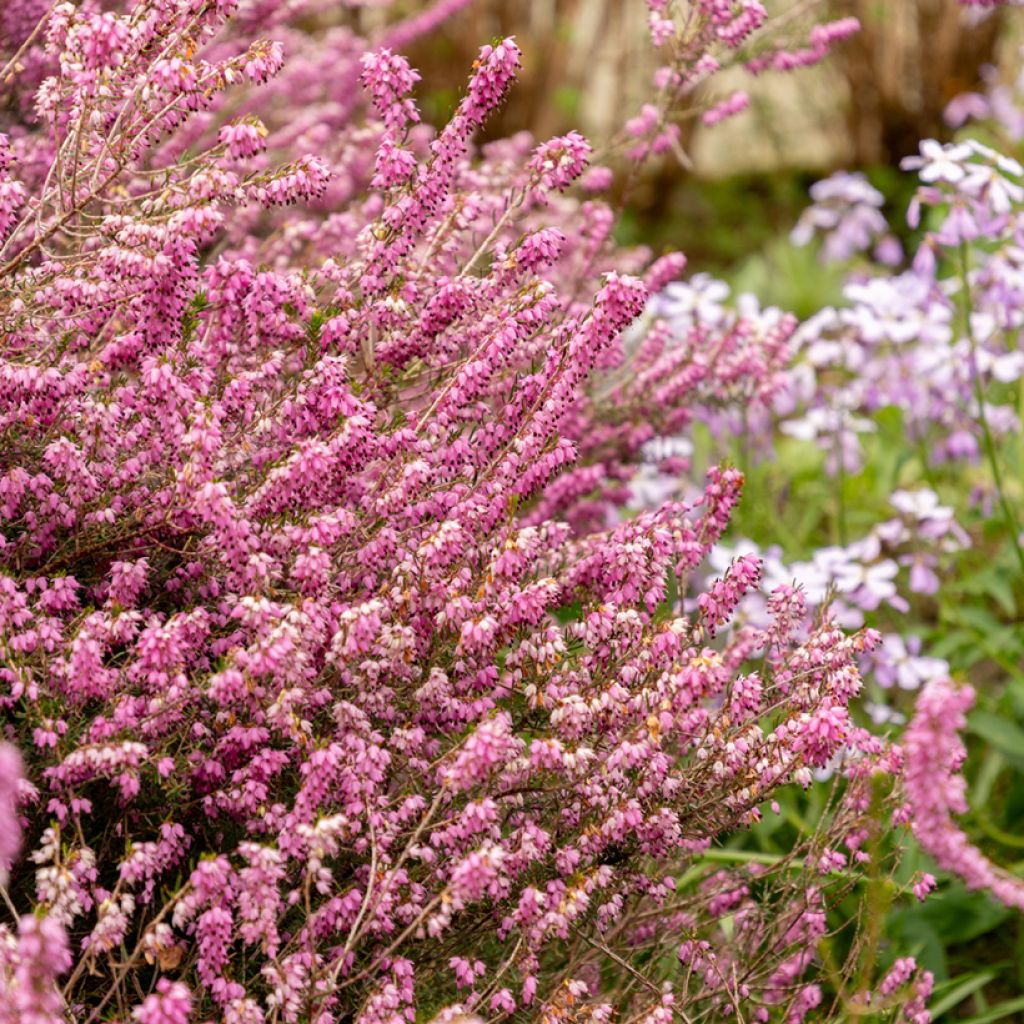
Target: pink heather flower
x=644 y=123
x=489 y=747
x=924 y=885
x=322 y=621
x=541 y=249
x=933 y=754
x=41 y=956
x=557 y=163
x=263 y=61
x=170 y=1004
x=597 y=179
x=12 y=191
x=827 y=33
x=394 y=165
x=305 y=179
x=244 y=139
x=127 y=582
x=899 y=974
x=389 y=79
x=729 y=107
x=493 y=72
x=718 y=604
x=10 y=828
x=819 y=735
x=419 y=24
x=99 y=41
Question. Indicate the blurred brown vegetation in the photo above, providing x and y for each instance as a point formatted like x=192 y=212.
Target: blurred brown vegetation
x=909 y=60
x=587 y=64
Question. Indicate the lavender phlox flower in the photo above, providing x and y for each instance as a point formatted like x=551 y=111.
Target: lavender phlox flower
x=920 y=504
x=938 y=162
x=1002 y=419
x=892 y=532
x=1005 y=367
x=651 y=487
x=826 y=319
x=899 y=662
x=844 y=352
x=820 y=422
x=1002 y=162
x=856 y=574
x=748 y=307
x=898 y=309
x=700 y=300
x=922 y=576
x=989 y=184
x=799 y=387
x=836 y=430
x=966 y=107
x=882 y=714
x=1006 y=110
x=846 y=209
x=889 y=251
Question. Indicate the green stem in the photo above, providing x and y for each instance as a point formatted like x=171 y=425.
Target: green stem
x=979 y=397
x=922 y=447
x=841 y=489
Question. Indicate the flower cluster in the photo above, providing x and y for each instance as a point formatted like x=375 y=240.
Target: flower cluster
x=343 y=687
x=936 y=791
x=928 y=345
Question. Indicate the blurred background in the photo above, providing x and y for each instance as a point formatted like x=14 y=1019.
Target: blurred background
x=587 y=65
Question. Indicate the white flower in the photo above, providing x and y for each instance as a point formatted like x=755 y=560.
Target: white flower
x=872 y=584
x=699 y=300
x=920 y=504
x=938 y=162
x=903 y=665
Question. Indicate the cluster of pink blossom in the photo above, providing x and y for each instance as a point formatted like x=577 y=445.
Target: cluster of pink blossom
x=713 y=36
x=897 y=559
x=343 y=690
x=936 y=791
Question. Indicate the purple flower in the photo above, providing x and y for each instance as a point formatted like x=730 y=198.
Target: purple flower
x=899 y=662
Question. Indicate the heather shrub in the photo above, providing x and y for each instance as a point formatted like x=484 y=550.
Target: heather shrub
x=338 y=685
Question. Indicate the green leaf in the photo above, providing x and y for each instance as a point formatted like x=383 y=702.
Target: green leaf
x=960 y=991
x=998 y=586
x=723 y=856
x=986 y=778
x=1005 y=736
x=975 y=618
x=952 y=643
x=997 y=1012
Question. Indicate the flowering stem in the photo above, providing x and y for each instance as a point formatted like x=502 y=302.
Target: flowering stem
x=646 y=982
x=879 y=891
x=979 y=397
x=6 y=74
x=506 y=216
